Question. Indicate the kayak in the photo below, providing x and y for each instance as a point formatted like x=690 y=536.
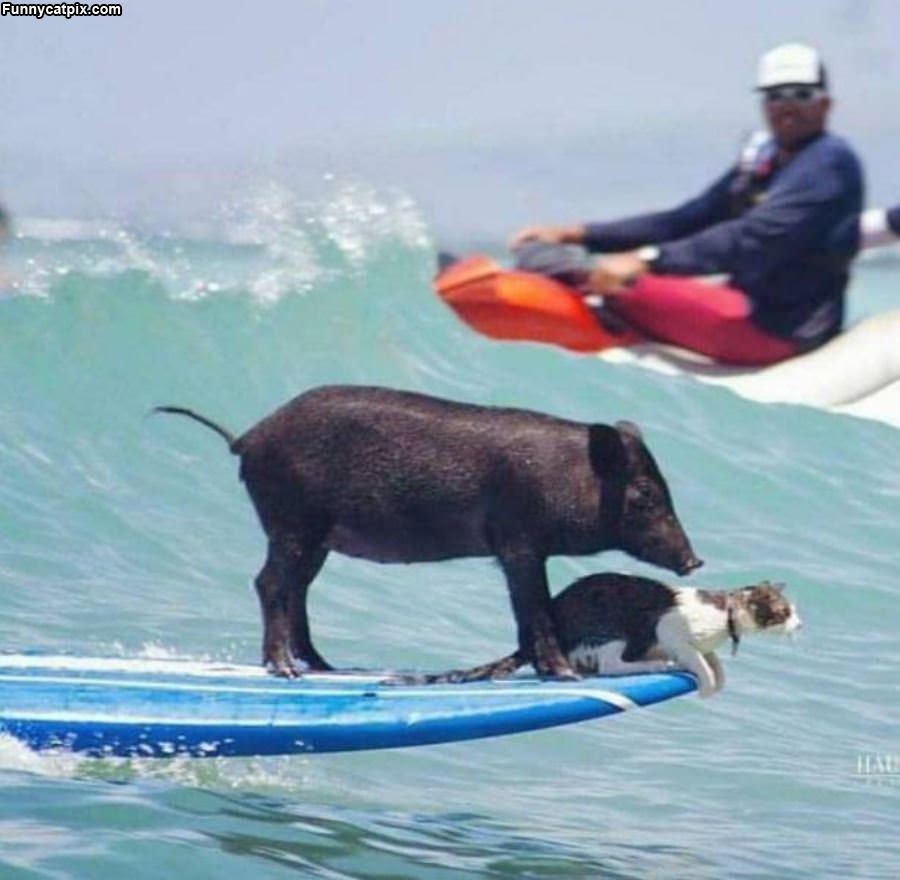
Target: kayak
x=516 y=305
x=857 y=373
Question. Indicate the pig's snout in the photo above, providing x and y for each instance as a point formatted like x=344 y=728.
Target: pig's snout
x=688 y=565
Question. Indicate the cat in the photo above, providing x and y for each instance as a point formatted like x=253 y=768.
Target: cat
x=617 y=624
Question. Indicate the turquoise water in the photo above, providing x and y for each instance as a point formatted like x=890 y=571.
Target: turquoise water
x=128 y=535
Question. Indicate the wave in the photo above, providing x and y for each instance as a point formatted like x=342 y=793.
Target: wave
x=128 y=535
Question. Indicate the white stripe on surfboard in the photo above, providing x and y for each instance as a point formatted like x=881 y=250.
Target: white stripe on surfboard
x=526 y=689
x=620 y=701
x=152 y=666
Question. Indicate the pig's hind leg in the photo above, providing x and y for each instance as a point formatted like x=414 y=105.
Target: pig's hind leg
x=282 y=586
x=304 y=567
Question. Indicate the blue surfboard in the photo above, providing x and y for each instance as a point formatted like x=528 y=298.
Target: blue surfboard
x=153 y=708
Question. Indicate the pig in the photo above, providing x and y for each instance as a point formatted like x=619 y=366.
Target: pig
x=395 y=476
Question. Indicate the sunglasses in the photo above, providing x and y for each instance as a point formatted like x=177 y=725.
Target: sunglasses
x=797 y=94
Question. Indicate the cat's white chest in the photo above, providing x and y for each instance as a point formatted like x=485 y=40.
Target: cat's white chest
x=704 y=624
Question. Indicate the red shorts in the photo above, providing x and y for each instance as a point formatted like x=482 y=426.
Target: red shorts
x=712 y=319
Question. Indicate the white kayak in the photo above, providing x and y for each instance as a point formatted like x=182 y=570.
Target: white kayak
x=857 y=373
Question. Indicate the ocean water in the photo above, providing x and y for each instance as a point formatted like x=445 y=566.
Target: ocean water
x=126 y=535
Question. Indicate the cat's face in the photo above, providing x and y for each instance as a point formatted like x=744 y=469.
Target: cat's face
x=768 y=609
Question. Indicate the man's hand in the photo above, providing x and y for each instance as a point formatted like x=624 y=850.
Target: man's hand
x=613 y=275
x=548 y=235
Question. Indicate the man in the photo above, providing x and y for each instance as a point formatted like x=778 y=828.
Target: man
x=782 y=224
x=880 y=226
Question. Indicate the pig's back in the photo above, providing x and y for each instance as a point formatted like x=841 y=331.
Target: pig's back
x=342 y=420
x=404 y=476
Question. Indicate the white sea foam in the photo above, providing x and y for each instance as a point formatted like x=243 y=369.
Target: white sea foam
x=295 y=239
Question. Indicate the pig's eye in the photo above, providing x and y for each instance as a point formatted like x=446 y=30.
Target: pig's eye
x=643 y=500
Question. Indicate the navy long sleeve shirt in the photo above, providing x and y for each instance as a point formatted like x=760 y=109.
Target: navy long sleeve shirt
x=788 y=248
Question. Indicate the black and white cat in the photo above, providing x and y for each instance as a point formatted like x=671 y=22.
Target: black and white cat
x=615 y=624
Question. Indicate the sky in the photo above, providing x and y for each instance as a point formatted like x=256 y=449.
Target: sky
x=173 y=104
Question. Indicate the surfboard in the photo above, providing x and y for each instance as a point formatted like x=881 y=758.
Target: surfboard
x=163 y=708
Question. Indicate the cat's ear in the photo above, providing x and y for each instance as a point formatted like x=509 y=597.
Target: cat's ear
x=778 y=588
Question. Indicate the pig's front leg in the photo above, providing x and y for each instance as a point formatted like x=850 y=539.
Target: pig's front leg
x=526 y=578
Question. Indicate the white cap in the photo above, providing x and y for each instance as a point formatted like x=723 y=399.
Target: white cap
x=790 y=64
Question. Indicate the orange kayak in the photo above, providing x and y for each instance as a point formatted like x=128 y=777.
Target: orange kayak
x=510 y=304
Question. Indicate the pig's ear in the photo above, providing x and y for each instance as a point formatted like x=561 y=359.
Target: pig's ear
x=630 y=429
x=606 y=450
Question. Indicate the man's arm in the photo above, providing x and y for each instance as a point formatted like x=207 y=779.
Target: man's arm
x=878 y=226
x=893 y=219
x=709 y=208
x=766 y=236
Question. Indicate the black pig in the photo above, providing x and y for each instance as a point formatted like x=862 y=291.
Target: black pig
x=393 y=476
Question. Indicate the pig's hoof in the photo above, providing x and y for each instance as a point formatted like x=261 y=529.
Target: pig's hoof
x=282 y=668
x=558 y=672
